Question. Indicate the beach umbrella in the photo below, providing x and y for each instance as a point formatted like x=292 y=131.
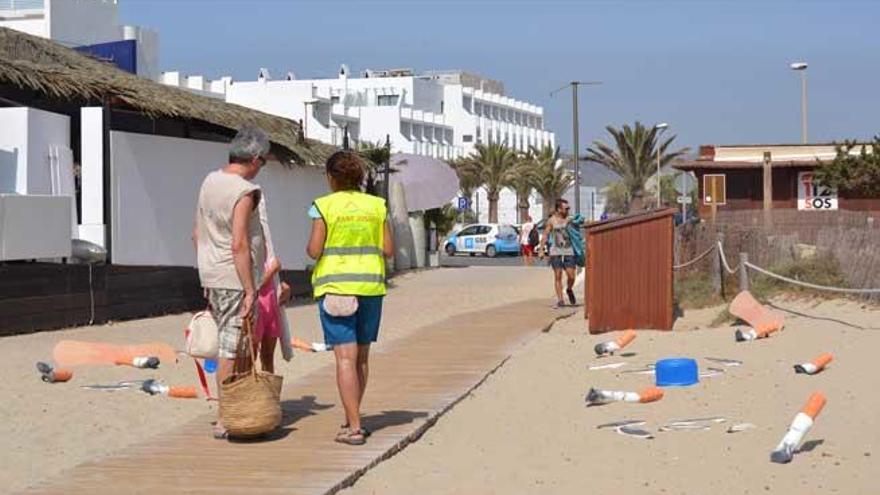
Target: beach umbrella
x=428 y=182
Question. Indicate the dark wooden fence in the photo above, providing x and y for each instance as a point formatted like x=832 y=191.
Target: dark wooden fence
x=45 y=296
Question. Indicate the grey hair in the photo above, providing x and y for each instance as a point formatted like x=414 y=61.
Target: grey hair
x=250 y=142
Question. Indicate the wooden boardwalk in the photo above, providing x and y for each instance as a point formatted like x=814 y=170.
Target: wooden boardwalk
x=413 y=381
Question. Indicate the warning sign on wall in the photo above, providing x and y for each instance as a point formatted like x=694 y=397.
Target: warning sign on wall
x=813 y=196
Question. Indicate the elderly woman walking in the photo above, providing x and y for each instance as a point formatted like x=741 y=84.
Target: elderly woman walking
x=350 y=239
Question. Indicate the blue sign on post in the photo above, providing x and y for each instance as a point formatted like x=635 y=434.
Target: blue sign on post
x=464 y=203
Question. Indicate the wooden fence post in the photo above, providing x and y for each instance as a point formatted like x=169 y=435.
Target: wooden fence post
x=743 y=272
x=715 y=272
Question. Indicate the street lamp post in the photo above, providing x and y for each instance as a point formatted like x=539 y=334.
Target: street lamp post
x=660 y=128
x=575 y=136
x=802 y=68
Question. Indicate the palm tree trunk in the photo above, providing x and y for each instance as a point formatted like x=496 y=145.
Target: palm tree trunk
x=547 y=204
x=522 y=204
x=493 y=206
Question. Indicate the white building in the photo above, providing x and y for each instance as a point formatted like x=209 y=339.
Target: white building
x=75 y=23
x=438 y=114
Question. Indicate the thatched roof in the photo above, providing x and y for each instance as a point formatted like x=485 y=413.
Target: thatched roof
x=29 y=62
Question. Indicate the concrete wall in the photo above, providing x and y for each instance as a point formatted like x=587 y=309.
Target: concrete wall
x=83 y=22
x=289 y=193
x=26 y=136
x=154 y=186
x=155 y=183
x=34 y=227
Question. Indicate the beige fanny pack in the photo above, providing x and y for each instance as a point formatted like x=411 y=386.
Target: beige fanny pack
x=340 y=306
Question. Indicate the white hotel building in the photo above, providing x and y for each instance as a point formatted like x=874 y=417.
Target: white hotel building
x=438 y=114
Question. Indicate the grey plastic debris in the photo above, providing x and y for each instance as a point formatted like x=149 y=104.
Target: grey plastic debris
x=711 y=419
x=606 y=366
x=695 y=426
x=739 y=427
x=634 y=432
x=626 y=422
x=725 y=361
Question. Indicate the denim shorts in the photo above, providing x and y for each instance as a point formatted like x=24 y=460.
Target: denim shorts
x=361 y=327
x=563 y=262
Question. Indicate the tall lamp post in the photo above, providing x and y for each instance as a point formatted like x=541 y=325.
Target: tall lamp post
x=660 y=128
x=575 y=136
x=802 y=68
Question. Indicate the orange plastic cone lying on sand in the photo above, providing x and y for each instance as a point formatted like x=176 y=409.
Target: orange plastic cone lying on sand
x=650 y=394
x=612 y=346
x=815 y=365
x=763 y=321
x=800 y=426
x=309 y=347
x=49 y=374
x=153 y=387
x=76 y=353
x=143 y=362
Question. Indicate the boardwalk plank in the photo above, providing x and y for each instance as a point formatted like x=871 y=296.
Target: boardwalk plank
x=412 y=381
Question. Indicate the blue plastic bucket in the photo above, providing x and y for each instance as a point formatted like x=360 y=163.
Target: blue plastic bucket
x=676 y=372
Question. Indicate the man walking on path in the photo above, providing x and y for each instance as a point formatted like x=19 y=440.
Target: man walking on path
x=562 y=252
x=230 y=244
x=528 y=238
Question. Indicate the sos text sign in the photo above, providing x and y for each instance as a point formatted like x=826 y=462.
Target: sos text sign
x=813 y=196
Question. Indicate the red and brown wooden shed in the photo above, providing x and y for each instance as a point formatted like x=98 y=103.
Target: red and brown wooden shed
x=629 y=272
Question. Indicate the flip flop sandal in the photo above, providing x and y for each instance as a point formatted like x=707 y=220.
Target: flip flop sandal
x=571 y=298
x=220 y=434
x=351 y=437
x=364 y=431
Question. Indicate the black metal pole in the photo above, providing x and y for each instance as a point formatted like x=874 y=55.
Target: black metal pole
x=345 y=145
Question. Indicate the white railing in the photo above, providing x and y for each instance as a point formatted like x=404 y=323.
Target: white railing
x=21 y=4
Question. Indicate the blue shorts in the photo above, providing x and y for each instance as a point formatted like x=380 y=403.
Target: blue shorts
x=361 y=327
x=563 y=262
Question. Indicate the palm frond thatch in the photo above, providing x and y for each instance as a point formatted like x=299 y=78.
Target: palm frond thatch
x=31 y=63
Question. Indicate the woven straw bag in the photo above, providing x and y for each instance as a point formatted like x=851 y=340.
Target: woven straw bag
x=250 y=400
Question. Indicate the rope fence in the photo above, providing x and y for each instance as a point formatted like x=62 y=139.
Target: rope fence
x=695 y=260
x=789 y=280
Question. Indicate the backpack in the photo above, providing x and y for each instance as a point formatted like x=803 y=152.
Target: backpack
x=534 y=237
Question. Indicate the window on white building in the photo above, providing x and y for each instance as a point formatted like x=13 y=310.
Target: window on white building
x=334 y=99
x=466 y=103
x=387 y=100
x=478 y=108
x=467 y=138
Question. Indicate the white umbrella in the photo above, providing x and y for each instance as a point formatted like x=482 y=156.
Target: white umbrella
x=428 y=182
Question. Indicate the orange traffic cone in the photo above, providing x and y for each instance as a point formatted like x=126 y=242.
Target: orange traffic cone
x=143 y=362
x=650 y=394
x=50 y=374
x=153 y=387
x=612 y=346
x=800 y=426
x=815 y=365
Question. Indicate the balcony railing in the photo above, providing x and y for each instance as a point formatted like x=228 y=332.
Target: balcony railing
x=21 y=4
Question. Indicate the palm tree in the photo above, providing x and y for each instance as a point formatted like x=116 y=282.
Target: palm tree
x=376 y=156
x=634 y=157
x=493 y=163
x=549 y=177
x=522 y=179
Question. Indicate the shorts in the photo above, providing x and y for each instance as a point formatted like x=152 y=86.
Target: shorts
x=361 y=327
x=563 y=262
x=528 y=250
x=268 y=324
x=225 y=305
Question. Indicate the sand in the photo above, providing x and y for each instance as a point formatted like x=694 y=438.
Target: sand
x=49 y=428
x=527 y=430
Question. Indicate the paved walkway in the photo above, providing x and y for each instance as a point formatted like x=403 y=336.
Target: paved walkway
x=413 y=381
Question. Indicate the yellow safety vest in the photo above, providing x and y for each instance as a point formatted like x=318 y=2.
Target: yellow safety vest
x=352 y=262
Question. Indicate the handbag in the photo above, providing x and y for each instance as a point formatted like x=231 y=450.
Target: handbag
x=250 y=400
x=340 y=306
x=201 y=336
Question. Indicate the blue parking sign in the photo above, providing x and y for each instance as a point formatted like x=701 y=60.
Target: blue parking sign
x=464 y=203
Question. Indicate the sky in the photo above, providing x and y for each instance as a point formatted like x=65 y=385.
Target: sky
x=716 y=71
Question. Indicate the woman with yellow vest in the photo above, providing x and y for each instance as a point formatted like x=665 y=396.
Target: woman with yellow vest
x=350 y=239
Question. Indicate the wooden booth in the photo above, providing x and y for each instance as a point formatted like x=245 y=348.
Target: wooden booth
x=629 y=272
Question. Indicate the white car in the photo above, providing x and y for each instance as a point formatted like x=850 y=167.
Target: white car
x=483 y=238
